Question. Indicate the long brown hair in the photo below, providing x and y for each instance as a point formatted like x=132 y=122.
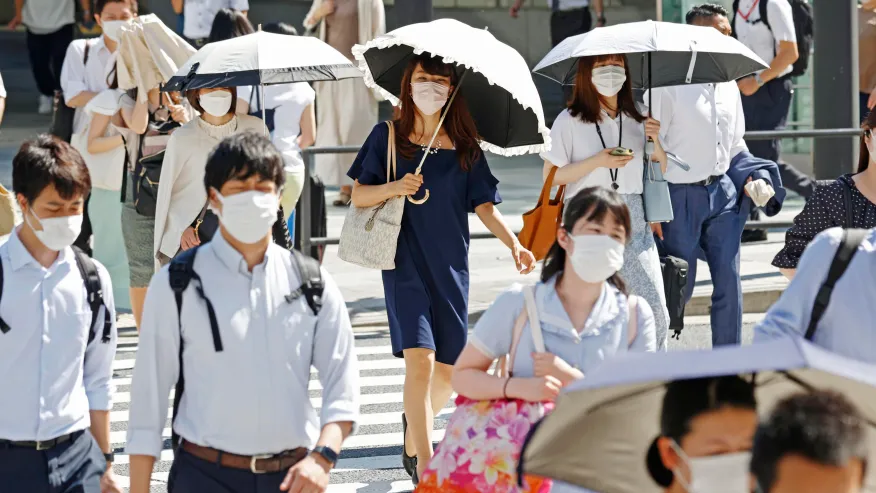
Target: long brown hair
x=592 y=204
x=864 y=156
x=458 y=123
x=586 y=100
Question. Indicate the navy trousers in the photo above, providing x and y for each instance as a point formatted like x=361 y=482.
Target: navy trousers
x=190 y=474
x=708 y=220
x=75 y=466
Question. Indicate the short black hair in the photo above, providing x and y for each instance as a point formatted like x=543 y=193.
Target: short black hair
x=706 y=10
x=821 y=426
x=229 y=23
x=279 y=28
x=47 y=160
x=684 y=401
x=100 y=4
x=241 y=156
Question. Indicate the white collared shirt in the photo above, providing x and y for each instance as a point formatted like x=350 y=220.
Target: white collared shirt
x=91 y=76
x=199 y=15
x=288 y=102
x=568 y=4
x=754 y=34
x=251 y=398
x=49 y=376
x=703 y=124
x=573 y=140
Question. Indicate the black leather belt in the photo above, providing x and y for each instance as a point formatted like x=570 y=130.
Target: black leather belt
x=41 y=445
x=708 y=181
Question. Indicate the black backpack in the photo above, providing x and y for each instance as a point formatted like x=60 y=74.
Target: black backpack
x=95 y=297
x=804 y=28
x=182 y=273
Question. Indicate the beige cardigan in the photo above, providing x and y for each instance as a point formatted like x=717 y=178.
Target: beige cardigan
x=372 y=20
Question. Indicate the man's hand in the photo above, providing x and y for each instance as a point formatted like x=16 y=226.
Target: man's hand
x=657 y=229
x=748 y=86
x=515 y=9
x=311 y=475
x=15 y=22
x=108 y=482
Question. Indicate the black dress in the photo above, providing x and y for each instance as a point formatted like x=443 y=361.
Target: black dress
x=825 y=209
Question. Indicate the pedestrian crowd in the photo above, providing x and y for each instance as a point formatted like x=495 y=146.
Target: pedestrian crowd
x=172 y=193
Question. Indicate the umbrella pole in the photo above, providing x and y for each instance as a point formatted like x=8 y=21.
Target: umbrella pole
x=264 y=118
x=649 y=145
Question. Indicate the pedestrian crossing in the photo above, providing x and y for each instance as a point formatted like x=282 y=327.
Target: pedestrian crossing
x=370 y=461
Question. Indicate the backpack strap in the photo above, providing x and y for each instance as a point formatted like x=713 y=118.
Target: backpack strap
x=4 y=327
x=852 y=239
x=765 y=19
x=182 y=273
x=94 y=290
x=312 y=285
x=847 y=201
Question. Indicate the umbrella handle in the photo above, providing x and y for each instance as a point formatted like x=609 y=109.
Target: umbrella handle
x=419 y=201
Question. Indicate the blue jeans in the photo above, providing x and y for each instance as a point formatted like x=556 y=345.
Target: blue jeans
x=75 y=466
x=709 y=220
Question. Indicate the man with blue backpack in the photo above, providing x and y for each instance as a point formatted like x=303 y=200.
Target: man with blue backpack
x=235 y=325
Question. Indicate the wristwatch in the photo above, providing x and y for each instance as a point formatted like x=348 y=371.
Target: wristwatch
x=326 y=453
x=110 y=457
x=759 y=81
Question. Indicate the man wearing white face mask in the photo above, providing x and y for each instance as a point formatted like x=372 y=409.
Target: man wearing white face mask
x=706 y=430
x=57 y=340
x=255 y=317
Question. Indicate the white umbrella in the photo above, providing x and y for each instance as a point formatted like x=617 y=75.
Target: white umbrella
x=262 y=58
x=498 y=86
x=149 y=54
x=600 y=432
x=658 y=54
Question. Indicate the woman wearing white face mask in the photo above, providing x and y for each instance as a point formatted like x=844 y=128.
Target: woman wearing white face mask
x=182 y=219
x=583 y=308
x=707 y=429
x=601 y=117
x=427 y=292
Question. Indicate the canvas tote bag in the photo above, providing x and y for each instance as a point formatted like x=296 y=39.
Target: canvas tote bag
x=540 y=224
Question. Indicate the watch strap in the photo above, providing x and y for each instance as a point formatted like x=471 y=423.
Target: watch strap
x=327 y=453
x=110 y=457
x=758 y=79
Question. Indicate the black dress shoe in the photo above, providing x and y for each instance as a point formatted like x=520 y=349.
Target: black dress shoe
x=752 y=235
x=408 y=462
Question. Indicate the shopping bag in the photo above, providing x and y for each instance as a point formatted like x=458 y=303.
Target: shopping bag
x=540 y=224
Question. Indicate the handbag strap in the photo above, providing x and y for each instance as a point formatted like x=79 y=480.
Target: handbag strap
x=390 y=153
x=633 y=327
x=529 y=313
x=534 y=321
x=546 y=189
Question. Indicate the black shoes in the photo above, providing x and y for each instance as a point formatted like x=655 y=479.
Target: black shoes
x=753 y=235
x=409 y=463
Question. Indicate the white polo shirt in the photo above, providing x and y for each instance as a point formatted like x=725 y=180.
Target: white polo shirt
x=754 y=34
x=199 y=15
x=47 y=16
x=568 y=4
x=573 y=140
x=703 y=124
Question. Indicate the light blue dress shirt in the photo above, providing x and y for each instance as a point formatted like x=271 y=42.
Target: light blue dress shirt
x=49 y=376
x=251 y=398
x=847 y=326
x=604 y=335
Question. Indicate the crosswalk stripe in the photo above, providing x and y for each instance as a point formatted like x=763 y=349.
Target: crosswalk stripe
x=317 y=385
x=381 y=486
x=377 y=364
x=364 y=399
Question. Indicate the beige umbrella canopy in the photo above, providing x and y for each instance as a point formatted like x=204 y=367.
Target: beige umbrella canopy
x=149 y=54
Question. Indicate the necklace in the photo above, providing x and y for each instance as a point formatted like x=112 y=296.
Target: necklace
x=435 y=146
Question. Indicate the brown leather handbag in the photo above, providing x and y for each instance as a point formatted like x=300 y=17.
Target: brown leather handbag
x=540 y=224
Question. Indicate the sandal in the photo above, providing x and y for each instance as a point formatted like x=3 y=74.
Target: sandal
x=343 y=200
x=409 y=463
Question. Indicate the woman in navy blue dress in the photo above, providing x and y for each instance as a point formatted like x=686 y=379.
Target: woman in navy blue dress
x=427 y=293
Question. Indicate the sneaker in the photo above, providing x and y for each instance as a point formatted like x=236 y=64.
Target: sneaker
x=45 y=107
x=754 y=235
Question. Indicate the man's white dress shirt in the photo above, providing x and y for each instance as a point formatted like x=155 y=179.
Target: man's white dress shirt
x=754 y=34
x=50 y=378
x=199 y=15
x=703 y=124
x=91 y=76
x=251 y=398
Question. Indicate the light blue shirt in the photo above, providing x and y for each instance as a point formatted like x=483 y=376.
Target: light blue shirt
x=251 y=398
x=49 y=376
x=604 y=335
x=847 y=325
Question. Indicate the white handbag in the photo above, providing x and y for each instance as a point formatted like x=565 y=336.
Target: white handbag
x=106 y=169
x=369 y=237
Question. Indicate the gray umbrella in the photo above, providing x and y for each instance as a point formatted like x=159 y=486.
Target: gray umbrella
x=599 y=434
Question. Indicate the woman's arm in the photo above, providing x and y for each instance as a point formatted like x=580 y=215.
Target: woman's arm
x=371 y=195
x=137 y=118
x=308 y=128
x=652 y=130
x=575 y=171
x=470 y=379
x=97 y=143
x=493 y=220
x=788 y=273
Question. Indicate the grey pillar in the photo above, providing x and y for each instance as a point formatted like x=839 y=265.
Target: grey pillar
x=835 y=84
x=412 y=11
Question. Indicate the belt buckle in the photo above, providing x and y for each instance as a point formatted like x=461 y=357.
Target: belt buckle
x=44 y=445
x=252 y=462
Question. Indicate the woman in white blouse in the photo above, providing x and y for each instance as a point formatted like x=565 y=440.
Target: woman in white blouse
x=181 y=193
x=602 y=116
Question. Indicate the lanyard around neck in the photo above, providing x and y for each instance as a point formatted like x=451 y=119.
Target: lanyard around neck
x=746 y=16
x=620 y=139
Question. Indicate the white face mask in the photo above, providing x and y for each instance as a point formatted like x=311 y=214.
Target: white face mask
x=216 y=103
x=248 y=216
x=429 y=96
x=595 y=258
x=726 y=473
x=111 y=28
x=609 y=79
x=58 y=232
